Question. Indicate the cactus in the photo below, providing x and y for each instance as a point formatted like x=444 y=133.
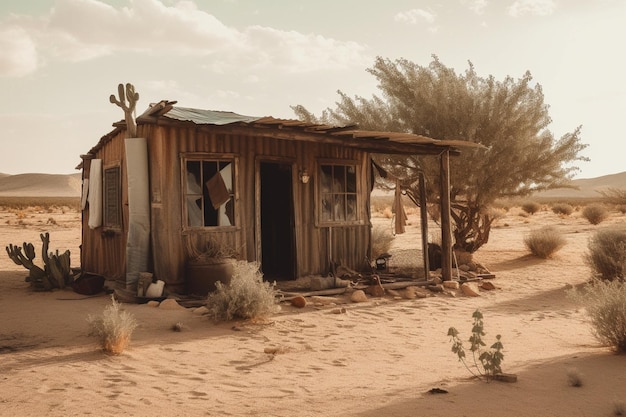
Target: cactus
x=56 y=272
x=133 y=97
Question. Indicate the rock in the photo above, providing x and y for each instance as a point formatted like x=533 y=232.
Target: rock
x=451 y=285
x=375 y=290
x=298 y=301
x=339 y=310
x=170 y=304
x=465 y=268
x=201 y=311
x=358 y=296
x=487 y=286
x=152 y=303
x=468 y=290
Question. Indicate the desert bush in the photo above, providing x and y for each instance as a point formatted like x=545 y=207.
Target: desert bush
x=605 y=304
x=247 y=296
x=621 y=208
x=531 y=207
x=607 y=253
x=562 y=209
x=113 y=328
x=595 y=213
x=381 y=240
x=574 y=378
x=486 y=363
x=544 y=242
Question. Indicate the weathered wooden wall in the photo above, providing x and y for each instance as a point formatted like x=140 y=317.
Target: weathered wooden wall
x=168 y=144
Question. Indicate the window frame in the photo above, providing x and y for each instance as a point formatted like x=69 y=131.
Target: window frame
x=112 y=213
x=201 y=158
x=321 y=192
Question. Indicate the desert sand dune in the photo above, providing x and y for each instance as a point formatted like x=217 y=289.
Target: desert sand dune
x=331 y=358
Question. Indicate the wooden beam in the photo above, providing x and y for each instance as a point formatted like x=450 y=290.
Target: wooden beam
x=424 y=221
x=446 y=229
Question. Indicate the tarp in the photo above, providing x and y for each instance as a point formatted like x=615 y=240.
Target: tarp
x=95 y=194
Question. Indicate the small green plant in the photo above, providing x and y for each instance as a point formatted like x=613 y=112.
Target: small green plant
x=247 y=296
x=544 y=242
x=607 y=253
x=605 y=304
x=485 y=363
x=113 y=328
x=531 y=207
x=381 y=241
x=563 y=209
x=595 y=213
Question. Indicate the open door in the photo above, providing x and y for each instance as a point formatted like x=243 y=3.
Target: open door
x=278 y=260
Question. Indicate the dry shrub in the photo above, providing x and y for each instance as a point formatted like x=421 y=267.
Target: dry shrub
x=595 y=213
x=387 y=213
x=605 y=304
x=574 y=377
x=607 y=253
x=531 y=207
x=381 y=241
x=544 y=242
x=246 y=297
x=113 y=328
x=434 y=211
x=563 y=209
x=621 y=208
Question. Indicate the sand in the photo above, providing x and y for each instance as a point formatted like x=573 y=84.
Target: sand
x=378 y=358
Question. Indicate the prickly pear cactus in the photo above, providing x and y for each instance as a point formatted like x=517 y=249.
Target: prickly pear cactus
x=56 y=272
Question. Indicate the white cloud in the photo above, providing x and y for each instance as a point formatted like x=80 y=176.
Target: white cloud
x=19 y=52
x=415 y=16
x=534 y=7
x=477 y=6
x=78 y=30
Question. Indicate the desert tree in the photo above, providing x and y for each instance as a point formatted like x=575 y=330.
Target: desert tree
x=508 y=117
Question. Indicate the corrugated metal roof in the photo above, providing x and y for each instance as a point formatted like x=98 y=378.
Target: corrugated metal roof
x=207 y=117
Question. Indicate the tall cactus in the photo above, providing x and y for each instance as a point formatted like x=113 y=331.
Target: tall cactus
x=56 y=272
x=133 y=97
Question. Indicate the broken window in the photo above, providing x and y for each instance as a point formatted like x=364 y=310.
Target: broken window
x=338 y=193
x=209 y=192
x=112 y=198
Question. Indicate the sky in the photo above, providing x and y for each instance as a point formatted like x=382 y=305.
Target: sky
x=60 y=60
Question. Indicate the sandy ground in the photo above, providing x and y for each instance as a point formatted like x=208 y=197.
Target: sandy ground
x=378 y=358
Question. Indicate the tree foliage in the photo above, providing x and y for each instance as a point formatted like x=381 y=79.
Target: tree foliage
x=508 y=117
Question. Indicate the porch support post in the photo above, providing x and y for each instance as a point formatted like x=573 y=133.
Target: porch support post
x=446 y=230
x=424 y=223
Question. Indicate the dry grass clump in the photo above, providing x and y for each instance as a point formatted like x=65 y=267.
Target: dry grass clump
x=246 y=297
x=40 y=204
x=544 y=242
x=595 y=213
x=531 y=207
x=381 y=241
x=619 y=408
x=607 y=253
x=605 y=304
x=574 y=378
x=562 y=209
x=113 y=328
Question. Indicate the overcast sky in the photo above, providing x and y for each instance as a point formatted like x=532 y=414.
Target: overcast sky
x=61 y=59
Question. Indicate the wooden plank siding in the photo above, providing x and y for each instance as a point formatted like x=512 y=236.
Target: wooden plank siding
x=105 y=253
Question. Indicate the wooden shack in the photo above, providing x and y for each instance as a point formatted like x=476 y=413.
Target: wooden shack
x=291 y=195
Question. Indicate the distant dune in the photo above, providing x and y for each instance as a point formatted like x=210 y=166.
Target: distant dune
x=54 y=185
x=588 y=187
x=40 y=185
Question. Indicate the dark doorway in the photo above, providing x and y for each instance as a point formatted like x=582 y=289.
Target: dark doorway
x=277 y=222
